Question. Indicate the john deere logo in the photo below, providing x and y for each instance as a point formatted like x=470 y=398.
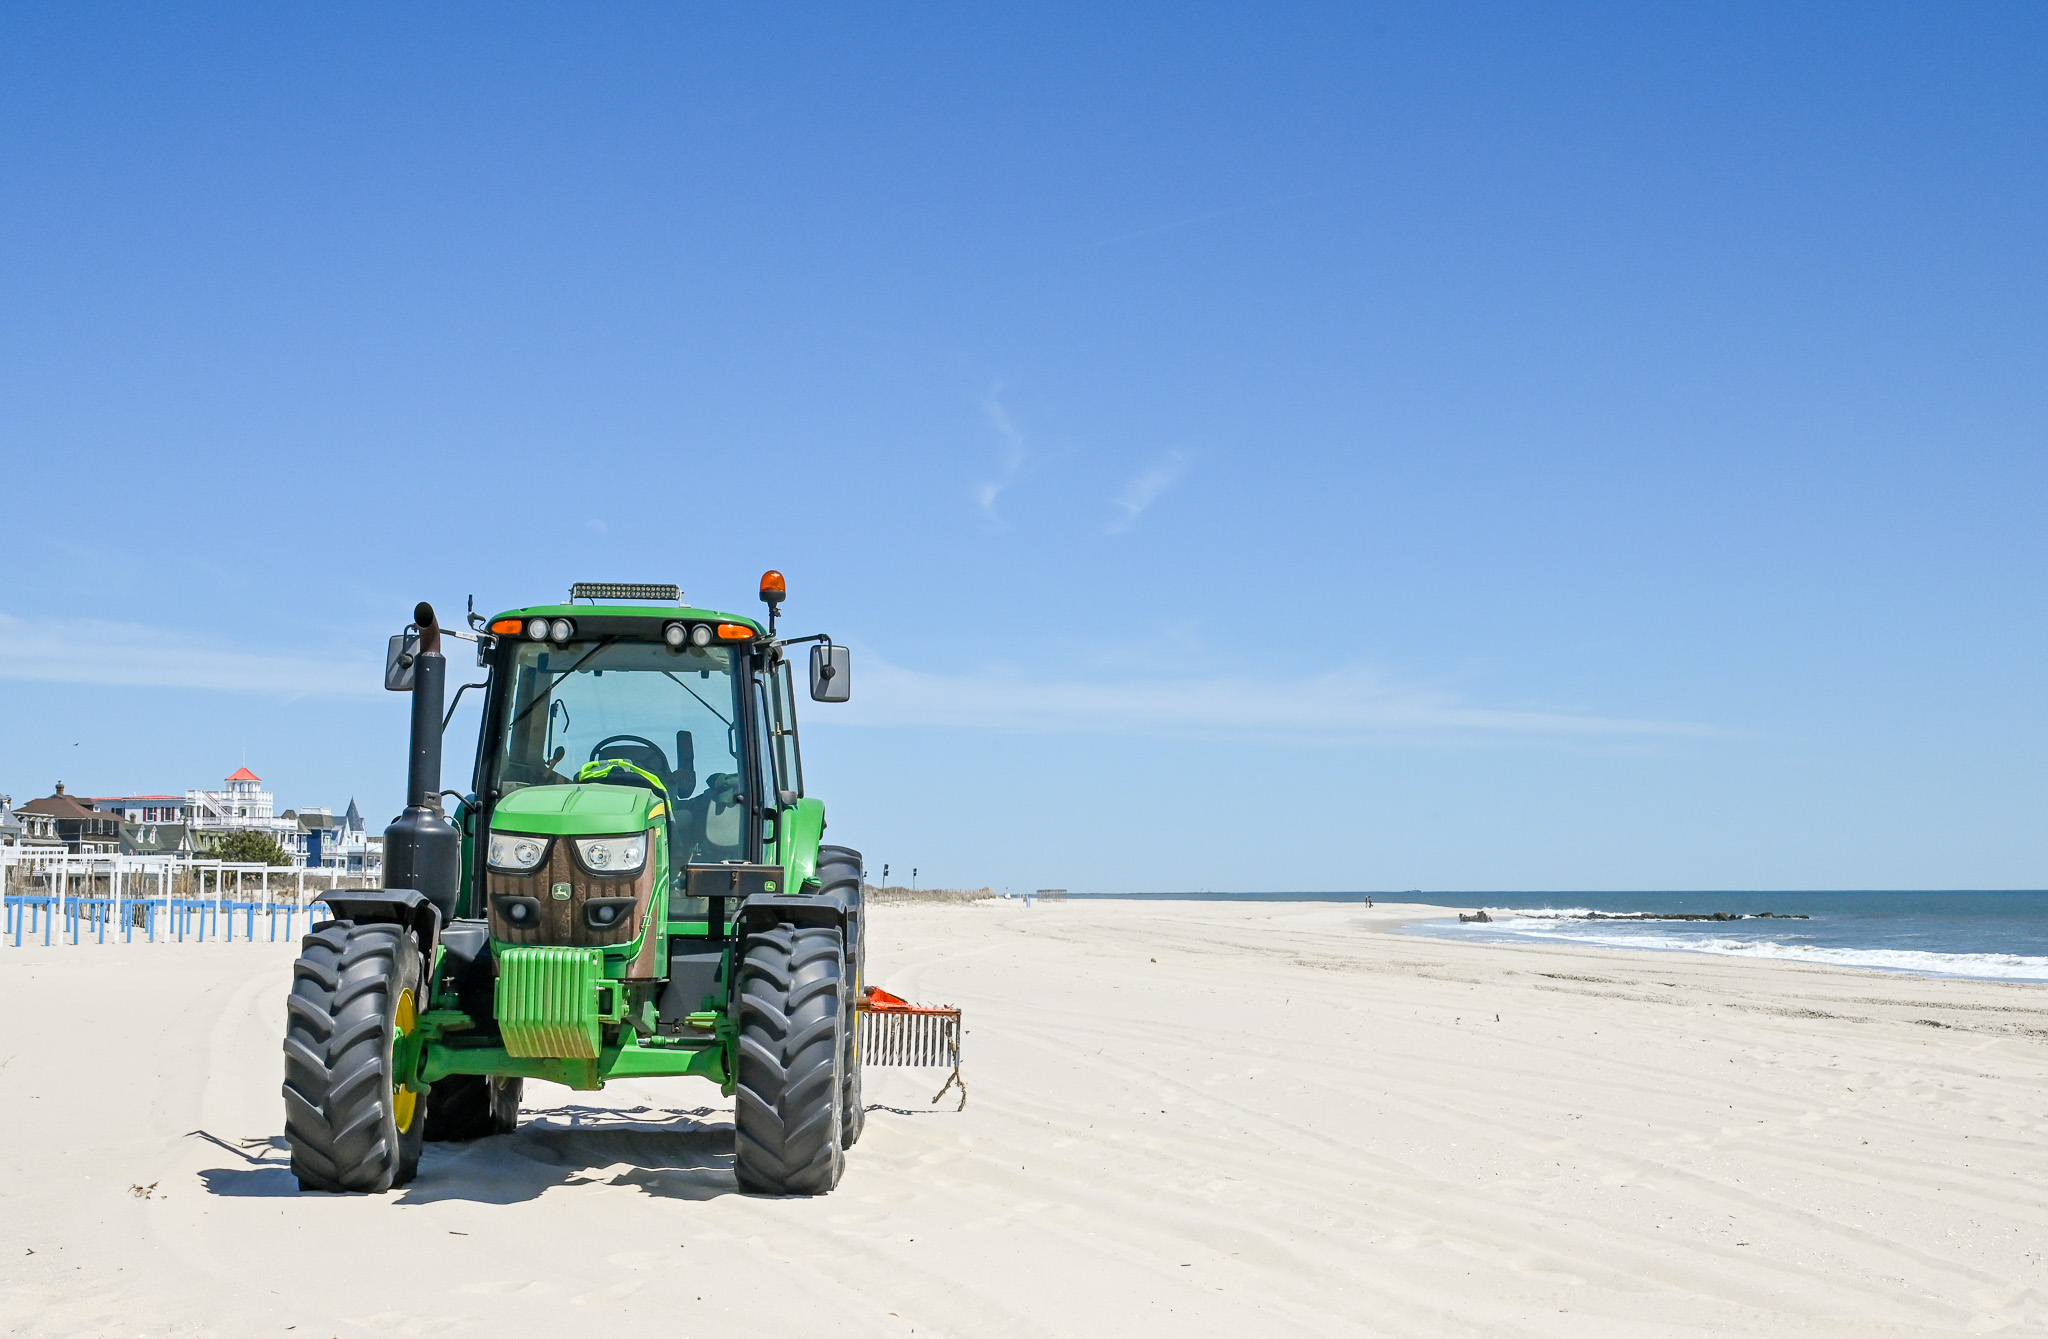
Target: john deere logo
x=561 y=892
x=768 y=885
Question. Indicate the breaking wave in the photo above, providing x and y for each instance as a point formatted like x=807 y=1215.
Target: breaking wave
x=1567 y=925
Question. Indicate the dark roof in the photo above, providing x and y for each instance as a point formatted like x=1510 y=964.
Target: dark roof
x=59 y=805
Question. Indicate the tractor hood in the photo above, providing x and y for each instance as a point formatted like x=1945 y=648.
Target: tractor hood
x=574 y=811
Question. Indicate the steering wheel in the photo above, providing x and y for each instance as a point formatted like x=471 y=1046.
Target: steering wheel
x=644 y=753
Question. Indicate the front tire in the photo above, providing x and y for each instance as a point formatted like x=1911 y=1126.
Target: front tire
x=791 y=1051
x=350 y=1124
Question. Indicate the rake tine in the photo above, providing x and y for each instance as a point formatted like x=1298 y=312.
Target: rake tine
x=894 y=1032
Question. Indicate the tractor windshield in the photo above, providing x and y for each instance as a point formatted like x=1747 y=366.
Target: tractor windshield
x=673 y=714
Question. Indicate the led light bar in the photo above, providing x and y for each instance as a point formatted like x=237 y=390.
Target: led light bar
x=624 y=590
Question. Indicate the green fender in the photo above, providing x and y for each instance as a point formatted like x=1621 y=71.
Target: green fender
x=802 y=828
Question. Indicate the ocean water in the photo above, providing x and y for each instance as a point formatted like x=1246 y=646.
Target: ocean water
x=2001 y=935
x=1992 y=935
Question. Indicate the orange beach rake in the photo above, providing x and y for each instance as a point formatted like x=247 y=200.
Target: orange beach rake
x=893 y=1031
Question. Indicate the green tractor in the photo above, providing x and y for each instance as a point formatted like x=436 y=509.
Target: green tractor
x=634 y=887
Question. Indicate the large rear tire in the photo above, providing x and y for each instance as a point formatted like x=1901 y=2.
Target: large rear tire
x=350 y=1124
x=791 y=1049
x=840 y=868
x=474 y=1106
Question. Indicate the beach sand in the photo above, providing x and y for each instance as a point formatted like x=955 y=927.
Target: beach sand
x=1184 y=1118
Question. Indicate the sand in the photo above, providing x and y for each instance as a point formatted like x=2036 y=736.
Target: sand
x=1185 y=1119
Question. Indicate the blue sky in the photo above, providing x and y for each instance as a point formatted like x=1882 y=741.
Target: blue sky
x=1285 y=447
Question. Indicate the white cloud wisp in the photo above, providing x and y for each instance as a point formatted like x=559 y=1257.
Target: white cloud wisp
x=134 y=655
x=1146 y=487
x=1336 y=705
x=1011 y=464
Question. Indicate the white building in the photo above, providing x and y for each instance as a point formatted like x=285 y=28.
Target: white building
x=240 y=803
x=360 y=853
x=29 y=831
x=143 y=808
x=322 y=841
x=314 y=837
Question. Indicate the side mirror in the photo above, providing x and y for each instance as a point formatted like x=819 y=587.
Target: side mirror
x=831 y=674
x=398 y=661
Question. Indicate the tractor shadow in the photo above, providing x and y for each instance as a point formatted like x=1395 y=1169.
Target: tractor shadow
x=265 y=1169
x=666 y=1152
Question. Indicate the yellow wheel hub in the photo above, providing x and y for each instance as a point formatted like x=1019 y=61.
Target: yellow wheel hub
x=405 y=1103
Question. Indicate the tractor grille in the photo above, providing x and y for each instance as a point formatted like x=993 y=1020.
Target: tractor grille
x=547 y=1001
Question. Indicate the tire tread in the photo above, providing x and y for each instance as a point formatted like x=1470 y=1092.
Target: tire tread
x=787 y=1104
x=337 y=1058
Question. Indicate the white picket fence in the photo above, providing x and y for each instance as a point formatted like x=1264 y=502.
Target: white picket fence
x=96 y=894
x=61 y=873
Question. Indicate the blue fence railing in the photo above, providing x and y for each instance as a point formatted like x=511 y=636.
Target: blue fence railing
x=76 y=920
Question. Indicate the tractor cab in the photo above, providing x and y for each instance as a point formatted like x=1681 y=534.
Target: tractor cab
x=705 y=727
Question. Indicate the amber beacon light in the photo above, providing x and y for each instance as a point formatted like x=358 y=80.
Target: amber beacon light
x=773 y=592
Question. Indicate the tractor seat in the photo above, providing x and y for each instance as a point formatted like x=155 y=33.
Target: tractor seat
x=718 y=824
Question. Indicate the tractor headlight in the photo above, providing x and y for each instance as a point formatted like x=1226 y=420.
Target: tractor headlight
x=562 y=629
x=613 y=855
x=675 y=634
x=537 y=629
x=516 y=854
x=700 y=635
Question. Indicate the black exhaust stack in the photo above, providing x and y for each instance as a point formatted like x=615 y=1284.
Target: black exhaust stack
x=422 y=849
